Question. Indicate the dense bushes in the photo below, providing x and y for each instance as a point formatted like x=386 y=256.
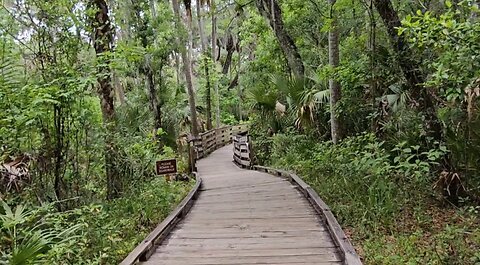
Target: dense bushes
x=383 y=196
x=93 y=234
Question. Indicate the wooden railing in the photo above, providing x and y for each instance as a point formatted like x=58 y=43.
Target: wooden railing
x=242 y=154
x=210 y=141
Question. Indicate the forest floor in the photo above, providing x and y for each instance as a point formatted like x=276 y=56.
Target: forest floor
x=427 y=235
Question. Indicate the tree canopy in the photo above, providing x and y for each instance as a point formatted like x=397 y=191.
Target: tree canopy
x=376 y=99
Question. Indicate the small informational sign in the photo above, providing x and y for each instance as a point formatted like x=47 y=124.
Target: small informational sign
x=165 y=167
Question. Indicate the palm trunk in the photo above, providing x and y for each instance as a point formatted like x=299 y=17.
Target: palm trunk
x=334 y=58
x=102 y=43
x=187 y=70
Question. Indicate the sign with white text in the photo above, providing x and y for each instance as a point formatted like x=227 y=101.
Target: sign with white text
x=165 y=167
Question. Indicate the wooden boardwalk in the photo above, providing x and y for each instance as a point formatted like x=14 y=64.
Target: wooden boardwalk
x=246 y=217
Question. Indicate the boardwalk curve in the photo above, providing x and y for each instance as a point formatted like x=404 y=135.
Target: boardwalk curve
x=247 y=217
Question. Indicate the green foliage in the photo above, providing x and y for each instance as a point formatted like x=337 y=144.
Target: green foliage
x=452 y=39
x=382 y=196
x=30 y=237
x=92 y=234
x=451 y=42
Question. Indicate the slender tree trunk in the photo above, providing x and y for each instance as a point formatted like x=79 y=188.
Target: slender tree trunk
x=186 y=69
x=59 y=122
x=239 y=87
x=411 y=69
x=103 y=40
x=119 y=91
x=208 y=97
x=214 y=56
x=203 y=40
x=391 y=20
x=272 y=12
x=201 y=28
x=178 y=68
x=154 y=106
x=334 y=59
x=372 y=46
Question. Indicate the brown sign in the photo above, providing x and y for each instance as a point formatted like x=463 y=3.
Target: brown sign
x=167 y=167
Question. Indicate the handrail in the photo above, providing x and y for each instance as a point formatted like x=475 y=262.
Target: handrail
x=349 y=254
x=211 y=140
x=145 y=249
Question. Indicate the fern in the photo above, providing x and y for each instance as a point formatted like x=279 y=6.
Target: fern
x=29 y=246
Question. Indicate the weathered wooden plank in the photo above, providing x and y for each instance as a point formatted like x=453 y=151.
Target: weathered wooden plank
x=247 y=255
x=228 y=228
x=219 y=252
x=215 y=245
x=272 y=235
x=246 y=259
x=246 y=217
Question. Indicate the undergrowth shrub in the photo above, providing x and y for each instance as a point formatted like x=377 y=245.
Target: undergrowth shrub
x=366 y=181
x=384 y=198
x=103 y=233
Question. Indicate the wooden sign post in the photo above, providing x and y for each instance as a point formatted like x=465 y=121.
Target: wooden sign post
x=165 y=167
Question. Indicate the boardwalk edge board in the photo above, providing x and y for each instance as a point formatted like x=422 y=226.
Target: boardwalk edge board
x=146 y=248
x=349 y=254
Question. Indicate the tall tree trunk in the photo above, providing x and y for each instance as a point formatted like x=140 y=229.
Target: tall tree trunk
x=203 y=39
x=208 y=97
x=59 y=125
x=103 y=41
x=411 y=69
x=372 y=47
x=154 y=106
x=186 y=69
x=201 y=28
x=334 y=59
x=214 y=57
x=272 y=12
